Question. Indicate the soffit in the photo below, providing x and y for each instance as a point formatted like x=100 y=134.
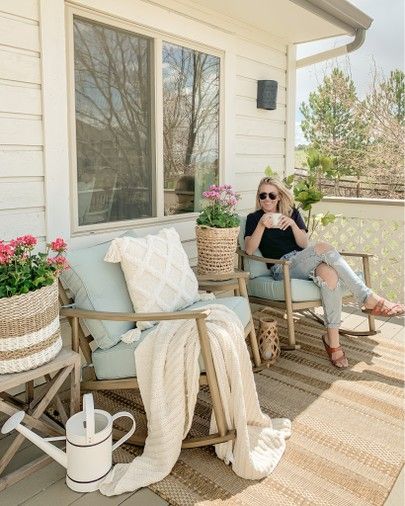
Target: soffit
x=286 y=20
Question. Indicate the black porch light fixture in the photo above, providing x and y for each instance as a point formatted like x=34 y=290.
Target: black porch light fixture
x=267 y=94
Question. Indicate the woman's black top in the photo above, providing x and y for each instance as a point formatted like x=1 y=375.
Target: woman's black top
x=275 y=242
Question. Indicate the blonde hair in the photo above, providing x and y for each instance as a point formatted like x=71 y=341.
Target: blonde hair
x=285 y=204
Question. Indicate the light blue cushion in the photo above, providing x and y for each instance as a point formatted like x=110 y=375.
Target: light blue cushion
x=99 y=286
x=266 y=287
x=253 y=267
x=119 y=362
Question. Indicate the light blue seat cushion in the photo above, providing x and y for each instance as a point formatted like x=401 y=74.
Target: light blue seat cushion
x=99 y=286
x=253 y=267
x=119 y=362
x=266 y=287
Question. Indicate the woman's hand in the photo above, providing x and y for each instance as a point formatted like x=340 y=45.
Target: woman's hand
x=285 y=222
x=266 y=220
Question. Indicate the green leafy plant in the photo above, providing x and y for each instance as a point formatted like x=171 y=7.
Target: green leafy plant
x=22 y=271
x=219 y=210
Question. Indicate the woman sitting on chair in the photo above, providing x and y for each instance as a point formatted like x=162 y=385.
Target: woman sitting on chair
x=286 y=238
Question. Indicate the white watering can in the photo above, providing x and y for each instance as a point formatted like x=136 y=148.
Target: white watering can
x=88 y=457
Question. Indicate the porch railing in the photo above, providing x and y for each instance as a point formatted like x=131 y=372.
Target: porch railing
x=374 y=226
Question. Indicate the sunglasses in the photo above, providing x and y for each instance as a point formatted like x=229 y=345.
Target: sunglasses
x=271 y=195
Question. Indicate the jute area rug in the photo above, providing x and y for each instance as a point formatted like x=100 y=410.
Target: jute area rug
x=347 y=443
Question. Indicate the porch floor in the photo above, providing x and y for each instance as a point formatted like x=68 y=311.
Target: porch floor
x=47 y=486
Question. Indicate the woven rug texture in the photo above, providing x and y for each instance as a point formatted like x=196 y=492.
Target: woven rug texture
x=347 y=443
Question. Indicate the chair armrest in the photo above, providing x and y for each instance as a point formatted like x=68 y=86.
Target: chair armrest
x=263 y=259
x=114 y=316
x=354 y=254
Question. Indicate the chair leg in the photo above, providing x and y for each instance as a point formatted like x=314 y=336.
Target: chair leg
x=255 y=347
x=289 y=309
x=211 y=378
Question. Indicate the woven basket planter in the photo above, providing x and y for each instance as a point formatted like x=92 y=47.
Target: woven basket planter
x=29 y=329
x=216 y=249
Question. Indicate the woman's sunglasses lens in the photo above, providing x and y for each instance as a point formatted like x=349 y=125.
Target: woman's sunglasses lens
x=272 y=196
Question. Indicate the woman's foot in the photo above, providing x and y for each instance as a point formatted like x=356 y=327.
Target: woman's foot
x=378 y=306
x=336 y=354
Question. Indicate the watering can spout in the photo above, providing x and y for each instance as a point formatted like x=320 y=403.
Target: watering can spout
x=14 y=422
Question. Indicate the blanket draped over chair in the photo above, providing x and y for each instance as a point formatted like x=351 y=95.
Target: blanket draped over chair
x=168 y=377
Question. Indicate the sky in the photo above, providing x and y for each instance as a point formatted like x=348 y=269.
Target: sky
x=384 y=45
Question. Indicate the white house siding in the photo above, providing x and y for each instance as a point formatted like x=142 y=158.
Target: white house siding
x=22 y=199
x=252 y=138
x=260 y=134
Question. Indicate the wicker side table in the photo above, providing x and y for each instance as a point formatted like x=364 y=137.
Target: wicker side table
x=55 y=372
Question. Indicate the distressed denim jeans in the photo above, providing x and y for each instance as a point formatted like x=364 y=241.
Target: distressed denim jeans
x=303 y=265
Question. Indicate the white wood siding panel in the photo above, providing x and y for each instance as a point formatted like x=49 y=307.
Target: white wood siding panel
x=20 y=98
x=17 y=130
x=19 y=33
x=260 y=53
x=20 y=163
x=20 y=66
x=24 y=8
x=247 y=87
x=261 y=127
x=258 y=70
x=248 y=107
x=248 y=164
x=258 y=146
x=247 y=201
x=17 y=223
x=249 y=182
x=20 y=194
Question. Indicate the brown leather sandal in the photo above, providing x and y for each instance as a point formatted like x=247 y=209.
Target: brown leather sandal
x=341 y=362
x=385 y=308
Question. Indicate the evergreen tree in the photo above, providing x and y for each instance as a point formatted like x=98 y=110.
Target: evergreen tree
x=384 y=111
x=333 y=124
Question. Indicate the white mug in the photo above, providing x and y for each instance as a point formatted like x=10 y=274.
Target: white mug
x=275 y=219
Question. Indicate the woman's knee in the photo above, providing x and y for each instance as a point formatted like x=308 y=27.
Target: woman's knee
x=323 y=247
x=328 y=275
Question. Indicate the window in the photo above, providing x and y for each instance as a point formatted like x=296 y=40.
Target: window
x=113 y=123
x=116 y=171
x=190 y=126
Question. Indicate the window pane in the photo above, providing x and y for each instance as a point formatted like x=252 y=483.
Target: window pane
x=190 y=126
x=113 y=123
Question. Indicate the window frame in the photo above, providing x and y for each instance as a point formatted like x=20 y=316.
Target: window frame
x=157 y=39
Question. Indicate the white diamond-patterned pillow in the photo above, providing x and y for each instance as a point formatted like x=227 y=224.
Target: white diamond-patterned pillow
x=157 y=272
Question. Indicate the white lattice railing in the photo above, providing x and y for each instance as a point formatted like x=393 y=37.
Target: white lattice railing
x=372 y=226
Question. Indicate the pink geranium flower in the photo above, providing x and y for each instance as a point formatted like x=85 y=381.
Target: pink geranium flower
x=58 y=245
x=25 y=241
x=22 y=270
x=220 y=209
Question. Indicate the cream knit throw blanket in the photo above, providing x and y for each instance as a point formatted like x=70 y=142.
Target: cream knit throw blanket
x=168 y=376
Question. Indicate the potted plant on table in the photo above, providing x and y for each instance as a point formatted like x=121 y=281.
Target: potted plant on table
x=29 y=306
x=217 y=230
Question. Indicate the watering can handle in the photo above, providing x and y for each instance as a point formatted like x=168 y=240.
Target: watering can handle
x=129 y=433
x=88 y=408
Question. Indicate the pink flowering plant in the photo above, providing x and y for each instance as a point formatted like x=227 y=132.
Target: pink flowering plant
x=219 y=211
x=22 y=270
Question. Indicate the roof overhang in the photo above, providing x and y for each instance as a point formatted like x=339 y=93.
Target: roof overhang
x=293 y=21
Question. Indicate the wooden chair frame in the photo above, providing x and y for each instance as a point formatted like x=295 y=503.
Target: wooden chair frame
x=306 y=306
x=235 y=282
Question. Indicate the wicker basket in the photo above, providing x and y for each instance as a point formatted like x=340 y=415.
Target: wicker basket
x=269 y=343
x=216 y=249
x=29 y=329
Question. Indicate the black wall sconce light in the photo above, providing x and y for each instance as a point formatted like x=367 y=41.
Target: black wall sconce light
x=267 y=94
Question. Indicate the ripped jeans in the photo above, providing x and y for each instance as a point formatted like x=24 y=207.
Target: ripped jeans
x=303 y=265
